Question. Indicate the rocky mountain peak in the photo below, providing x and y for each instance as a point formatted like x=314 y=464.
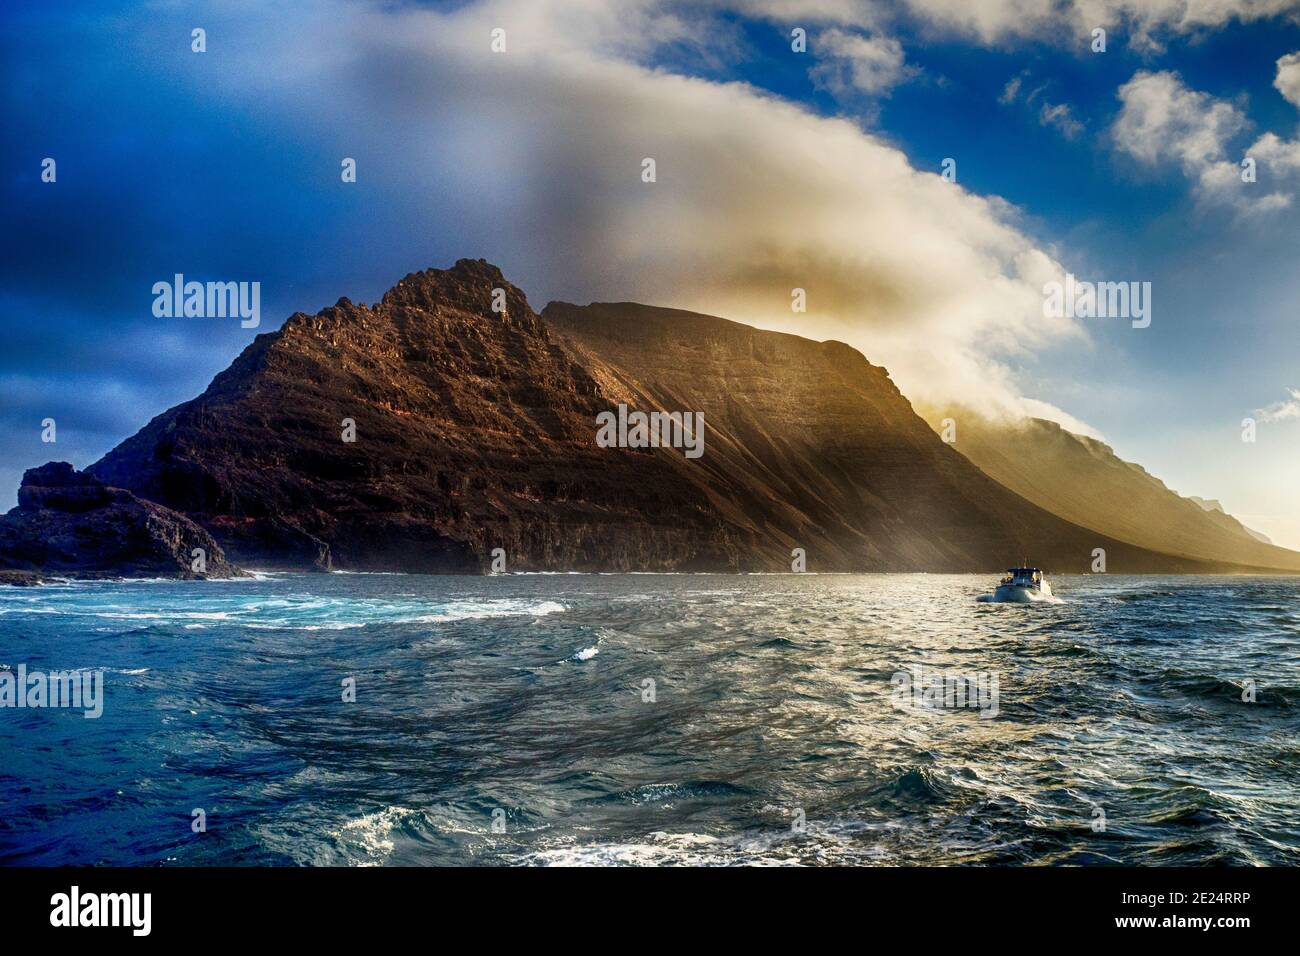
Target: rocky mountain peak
x=468 y=286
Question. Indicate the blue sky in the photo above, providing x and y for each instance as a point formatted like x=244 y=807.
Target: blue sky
x=776 y=169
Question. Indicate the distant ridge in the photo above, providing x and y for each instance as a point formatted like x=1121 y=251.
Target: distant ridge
x=1214 y=505
x=1084 y=481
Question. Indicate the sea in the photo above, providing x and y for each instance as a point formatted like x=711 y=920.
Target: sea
x=539 y=720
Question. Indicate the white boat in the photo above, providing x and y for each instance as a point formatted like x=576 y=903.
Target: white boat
x=1023 y=586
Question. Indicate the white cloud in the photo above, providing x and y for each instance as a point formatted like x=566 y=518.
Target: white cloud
x=1147 y=24
x=1069 y=22
x=1281 y=157
x=858 y=63
x=857 y=13
x=1162 y=119
x=1288 y=78
x=1164 y=122
x=1012 y=89
x=1280 y=411
x=1037 y=409
x=1060 y=116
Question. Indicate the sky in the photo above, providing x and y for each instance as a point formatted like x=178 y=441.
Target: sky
x=776 y=168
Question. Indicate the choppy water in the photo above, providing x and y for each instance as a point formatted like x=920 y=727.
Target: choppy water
x=773 y=707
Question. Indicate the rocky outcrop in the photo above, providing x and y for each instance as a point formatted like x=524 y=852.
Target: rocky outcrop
x=21 y=579
x=69 y=524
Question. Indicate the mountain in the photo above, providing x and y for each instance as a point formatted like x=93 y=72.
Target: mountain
x=1084 y=481
x=475 y=429
x=813 y=443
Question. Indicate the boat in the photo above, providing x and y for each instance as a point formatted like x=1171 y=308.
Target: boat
x=1022 y=586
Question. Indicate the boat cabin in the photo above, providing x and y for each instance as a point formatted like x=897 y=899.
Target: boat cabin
x=1024 y=577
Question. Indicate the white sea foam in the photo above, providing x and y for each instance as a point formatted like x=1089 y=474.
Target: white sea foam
x=167 y=617
x=1036 y=599
x=255 y=576
x=309 y=613
x=839 y=841
x=547 y=607
x=587 y=653
x=372 y=833
x=331 y=626
x=470 y=611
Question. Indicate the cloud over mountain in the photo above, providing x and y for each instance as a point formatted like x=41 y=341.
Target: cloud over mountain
x=754 y=196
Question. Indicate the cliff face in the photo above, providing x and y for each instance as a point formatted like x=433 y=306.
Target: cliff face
x=475 y=430
x=1083 y=480
x=70 y=524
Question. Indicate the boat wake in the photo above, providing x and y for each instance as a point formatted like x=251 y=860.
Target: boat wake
x=1024 y=597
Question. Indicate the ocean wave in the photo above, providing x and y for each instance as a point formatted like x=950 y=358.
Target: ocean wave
x=371 y=834
x=377 y=574
x=587 y=653
x=833 y=842
x=486 y=610
x=159 y=615
x=306 y=613
x=1210 y=687
x=690 y=790
x=331 y=626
